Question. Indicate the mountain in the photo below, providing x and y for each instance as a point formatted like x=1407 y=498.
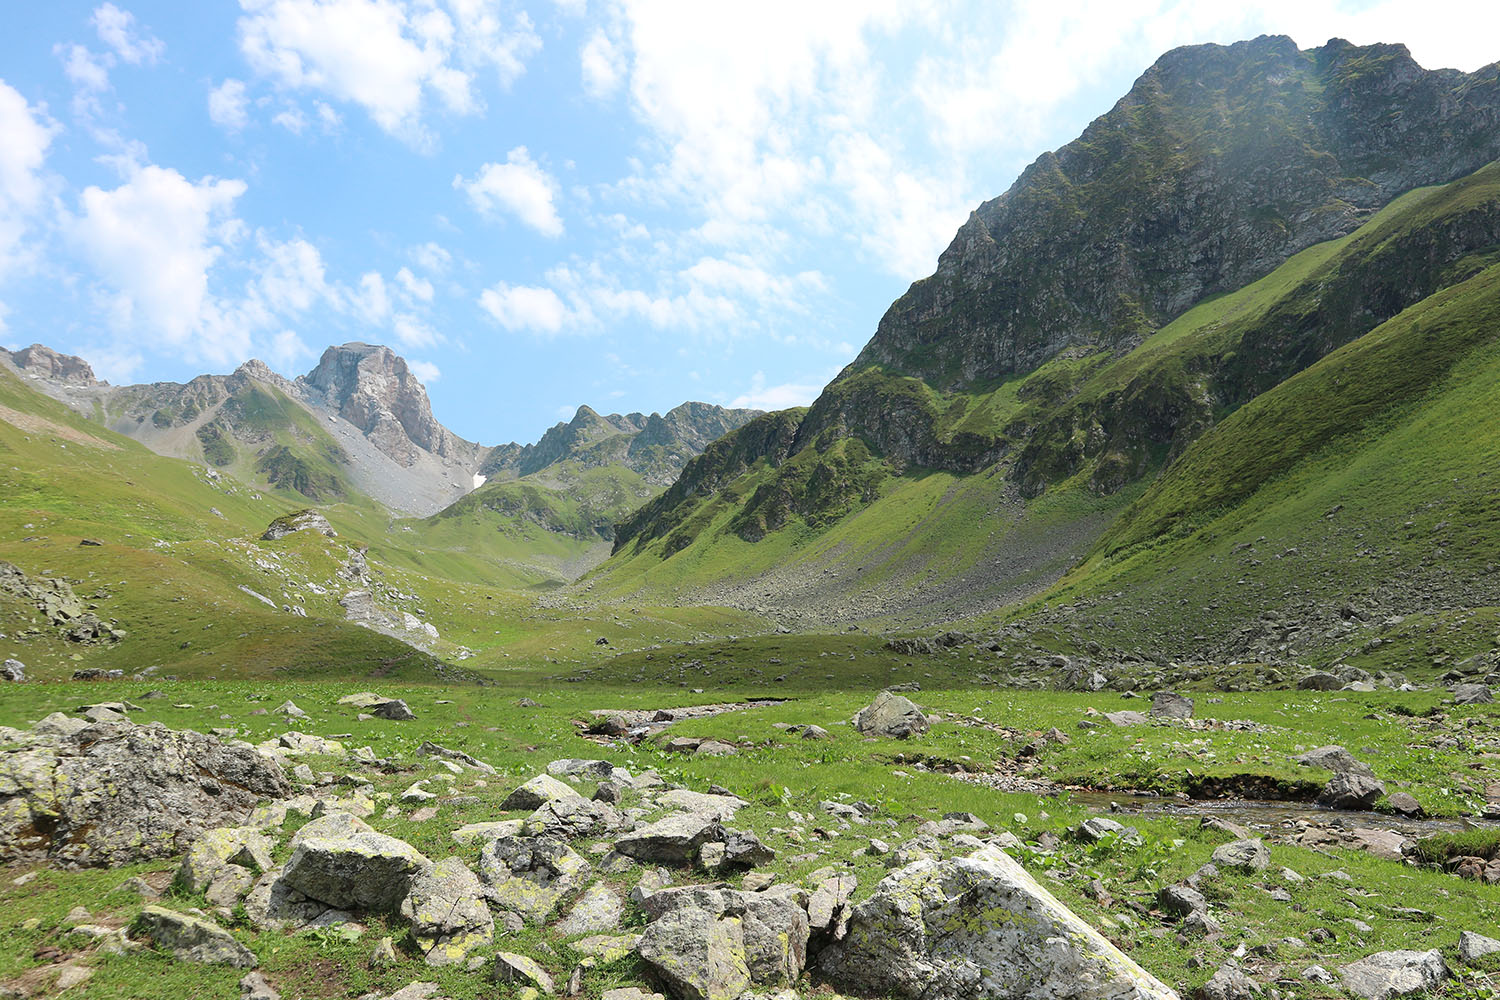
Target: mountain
x=360 y=423
x=1244 y=212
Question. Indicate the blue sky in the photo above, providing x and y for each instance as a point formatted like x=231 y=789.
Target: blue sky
x=625 y=203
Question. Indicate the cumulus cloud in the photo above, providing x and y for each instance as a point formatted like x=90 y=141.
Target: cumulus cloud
x=393 y=58
x=525 y=308
x=117 y=29
x=425 y=371
x=517 y=187
x=25 y=135
x=228 y=105
x=775 y=397
x=602 y=65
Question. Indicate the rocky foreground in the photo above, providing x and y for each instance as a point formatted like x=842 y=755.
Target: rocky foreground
x=268 y=845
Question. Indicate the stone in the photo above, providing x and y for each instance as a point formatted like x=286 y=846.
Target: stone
x=1348 y=790
x=241 y=847
x=340 y=861
x=513 y=968
x=13 y=670
x=109 y=795
x=723 y=807
x=301 y=520
x=1096 y=828
x=1387 y=844
x=1404 y=804
x=892 y=716
x=977 y=927
x=254 y=987
x=816 y=733
x=1181 y=900
x=430 y=749
x=1319 y=681
x=572 y=767
x=289 y=709
x=1472 y=947
x=1246 y=855
x=572 y=817
x=1335 y=759
x=363 y=699
x=384 y=953
x=491 y=830
x=607 y=948
x=715 y=944
x=539 y=790
x=1126 y=718
x=1170 y=705
x=1388 y=974
x=828 y=904
x=447 y=913
x=73 y=975
x=1473 y=694
x=1229 y=982
x=631 y=993
x=395 y=710
x=715 y=748
x=530 y=876
x=743 y=849
x=598 y=910
x=673 y=840
x=192 y=939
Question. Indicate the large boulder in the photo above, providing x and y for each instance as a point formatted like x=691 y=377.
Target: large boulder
x=1349 y=790
x=1171 y=705
x=530 y=876
x=1247 y=855
x=1473 y=694
x=192 y=939
x=447 y=913
x=978 y=927
x=1388 y=974
x=224 y=862
x=1335 y=759
x=113 y=794
x=539 y=790
x=716 y=944
x=673 y=840
x=339 y=860
x=892 y=716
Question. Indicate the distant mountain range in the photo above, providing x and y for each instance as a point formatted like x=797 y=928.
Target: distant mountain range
x=360 y=423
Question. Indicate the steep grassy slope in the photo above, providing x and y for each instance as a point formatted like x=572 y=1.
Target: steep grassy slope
x=1361 y=488
x=841 y=528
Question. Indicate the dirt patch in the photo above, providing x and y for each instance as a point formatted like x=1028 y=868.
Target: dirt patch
x=33 y=424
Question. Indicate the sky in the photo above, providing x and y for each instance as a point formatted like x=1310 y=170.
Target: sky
x=541 y=204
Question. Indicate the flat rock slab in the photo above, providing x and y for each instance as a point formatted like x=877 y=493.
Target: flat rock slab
x=193 y=939
x=1388 y=974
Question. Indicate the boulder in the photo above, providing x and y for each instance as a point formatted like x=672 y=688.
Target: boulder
x=1472 y=947
x=224 y=862
x=1126 y=718
x=597 y=911
x=447 y=913
x=1348 y=790
x=572 y=817
x=1096 y=828
x=1319 y=681
x=716 y=944
x=1170 y=705
x=1388 y=974
x=340 y=861
x=1181 y=900
x=1229 y=982
x=192 y=939
x=1469 y=694
x=827 y=908
x=978 y=927
x=431 y=749
x=254 y=987
x=107 y=795
x=722 y=807
x=513 y=968
x=301 y=520
x=396 y=710
x=541 y=789
x=530 y=876
x=1246 y=855
x=674 y=840
x=1335 y=759
x=892 y=716
x=572 y=767
x=13 y=670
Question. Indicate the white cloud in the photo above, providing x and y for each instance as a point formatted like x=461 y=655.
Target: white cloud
x=412 y=331
x=153 y=241
x=286 y=349
x=524 y=307
x=228 y=105
x=518 y=187
x=602 y=65
x=391 y=57
x=291 y=119
x=83 y=69
x=413 y=286
x=372 y=300
x=425 y=371
x=775 y=397
x=25 y=135
x=431 y=258
x=117 y=29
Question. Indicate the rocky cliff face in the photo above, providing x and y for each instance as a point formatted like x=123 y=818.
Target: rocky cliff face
x=1218 y=165
x=373 y=389
x=45 y=363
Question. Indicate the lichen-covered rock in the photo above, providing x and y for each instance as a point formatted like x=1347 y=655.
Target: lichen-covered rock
x=513 y=968
x=597 y=911
x=715 y=944
x=673 y=840
x=340 y=861
x=107 y=795
x=530 y=876
x=893 y=716
x=978 y=927
x=192 y=939
x=299 y=520
x=571 y=817
x=1388 y=974
x=1246 y=855
x=243 y=848
x=539 y=790
x=447 y=913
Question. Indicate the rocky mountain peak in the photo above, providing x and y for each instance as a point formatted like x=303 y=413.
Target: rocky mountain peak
x=45 y=363
x=372 y=387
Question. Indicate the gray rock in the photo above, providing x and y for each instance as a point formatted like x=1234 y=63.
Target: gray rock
x=447 y=913
x=815 y=733
x=1319 y=681
x=243 y=848
x=1404 y=803
x=597 y=911
x=108 y=795
x=1170 y=705
x=1246 y=855
x=513 y=968
x=828 y=905
x=530 y=876
x=13 y=670
x=1335 y=759
x=892 y=716
x=1228 y=983
x=254 y=987
x=395 y=710
x=978 y=927
x=723 y=807
x=715 y=944
x=1472 y=947
x=1096 y=828
x=1388 y=974
x=430 y=749
x=743 y=849
x=1347 y=790
x=674 y=840
x=1181 y=900
x=302 y=520
x=572 y=817
x=339 y=860
x=192 y=939
x=1126 y=718
x=1469 y=694
x=539 y=790
x=593 y=770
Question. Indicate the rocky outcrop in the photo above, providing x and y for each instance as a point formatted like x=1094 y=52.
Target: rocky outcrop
x=45 y=363
x=373 y=389
x=447 y=913
x=193 y=939
x=301 y=520
x=892 y=716
x=716 y=944
x=978 y=927
x=115 y=793
x=340 y=861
